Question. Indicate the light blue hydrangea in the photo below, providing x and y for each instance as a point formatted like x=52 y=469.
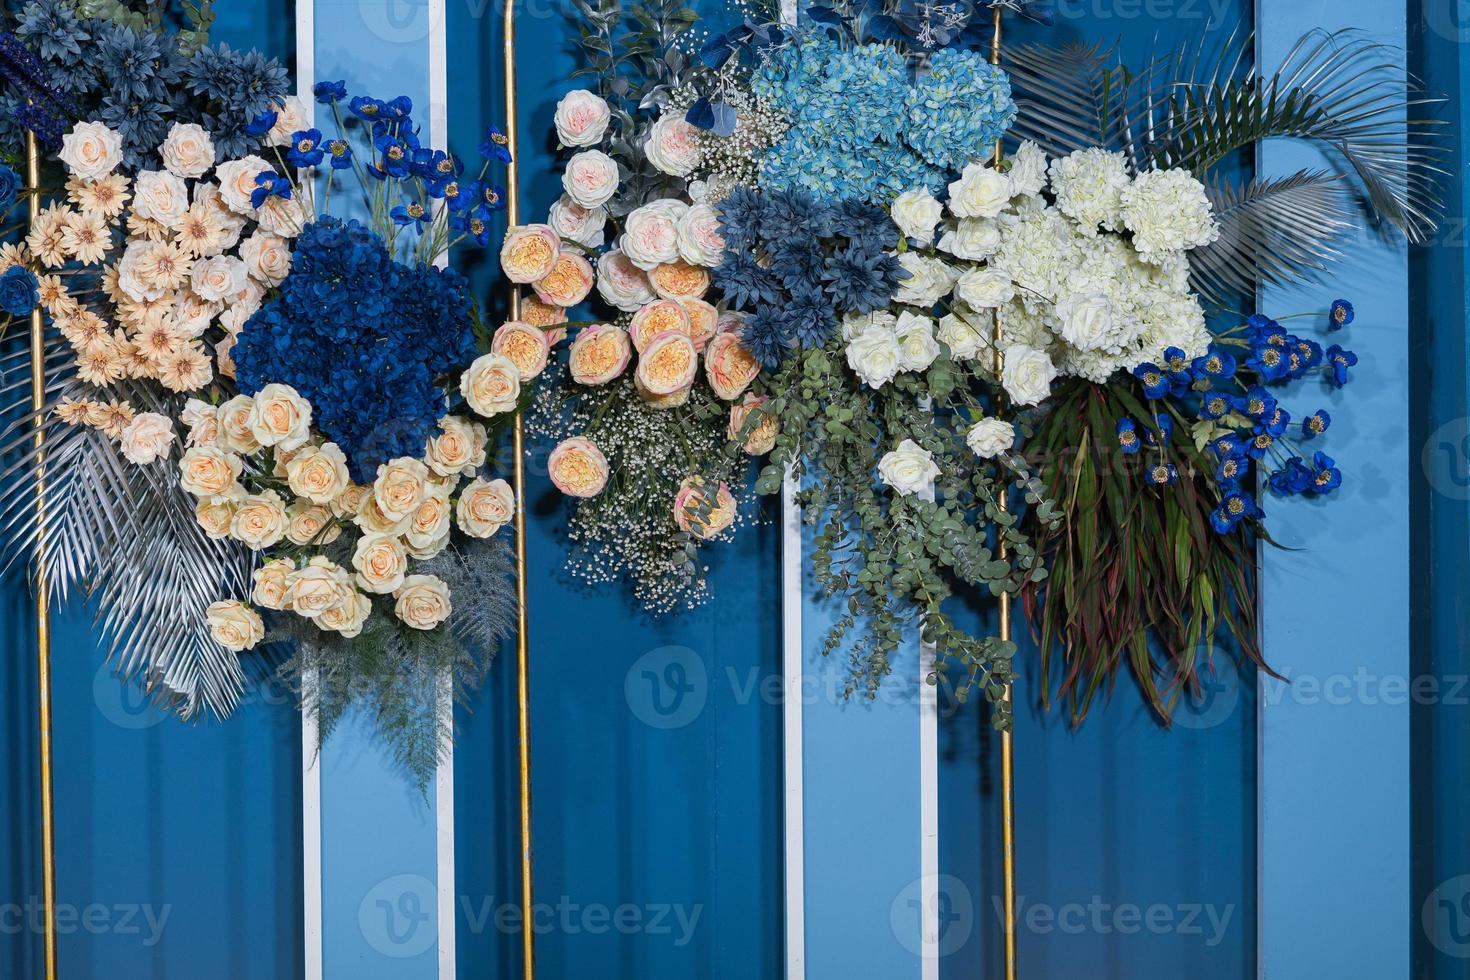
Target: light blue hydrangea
x=958 y=109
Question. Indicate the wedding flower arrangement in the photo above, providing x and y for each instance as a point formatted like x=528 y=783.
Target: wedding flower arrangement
x=986 y=370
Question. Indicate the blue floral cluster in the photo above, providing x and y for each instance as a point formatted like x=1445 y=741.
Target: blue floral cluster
x=141 y=82
x=1233 y=396
x=365 y=339
x=796 y=265
x=861 y=126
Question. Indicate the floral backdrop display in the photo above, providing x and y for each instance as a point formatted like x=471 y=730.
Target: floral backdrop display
x=269 y=423
x=989 y=309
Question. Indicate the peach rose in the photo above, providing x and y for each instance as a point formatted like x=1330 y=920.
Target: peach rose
x=234 y=625
x=577 y=467
x=539 y=314
x=310 y=524
x=234 y=425
x=237 y=182
x=381 y=563
x=660 y=316
x=491 y=385
x=422 y=602
x=321 y=586
x=267 y=257
x=526 y=347
x=458 y=449
x=704 y=321
x=529 y=253
x=214 y=515
x=147 y=438
x=428 y=527
x=318 y=473
x=729 y=367
x=668 y=364
x=207 y=471
x=271 y=582
x=761 y=439
x=568 y=282
x=349 y=617
x=697 y=514
x=679 y=280
x=188 y=150
x=259 y=521
x=599 y=354
x=349 y=501
x=402 y=485
x=371 y=518
x=280 y=417
x=485 y=506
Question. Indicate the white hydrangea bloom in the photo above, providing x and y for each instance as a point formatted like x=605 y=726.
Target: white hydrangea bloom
x=1168 y=212
x=1088 y=186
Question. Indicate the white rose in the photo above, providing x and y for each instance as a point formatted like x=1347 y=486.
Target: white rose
x=280 y=417
x=267 y=257
x=981 y=192
x=581 y=118
x=875 y=356
x=259 y=520
x=491 y=385
x=651 y=233
x=916 y=213
x=234 y=625
x=318 y=473
x=1028 y=169
x=271 y=581
x=928 y=280
x=962 y=336
x=160 y=196
x=485 y=506
x=381 y=563
x=700 y=241
x=983 y=289
x=591 y=178
x=237 y=182
x=147 y=438
x=672 y=145
x=207 y=471
x=422 y=602
x=975 y=239
x=623 y=284
x=988 y=438
x=458 y=450
x=1086 y=319
x=574 y=223
x=1028 y=374
x=91 y=150
x=291 y=117
x=188 y=150
x=916 y=343
x=402 y=485
x=219 y=278
x=909 y=469
x=856 y=323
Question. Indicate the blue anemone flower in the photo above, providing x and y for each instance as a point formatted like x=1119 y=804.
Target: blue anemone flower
x=1340 y=315
x=305 y=149
x=1128 y=436
x=1315 y=424
x=269 y=184
x=495 y=146
x=1338 y=361
x=1326 y=477
x=341 y=154
x=329 y=93
x=261 y=123
x=1155 y=381
x=1216 y=364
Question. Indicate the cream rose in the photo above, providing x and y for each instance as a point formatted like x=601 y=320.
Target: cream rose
x=280 y=417
x=988 y=438
x=349 y=501
x=697 y=514
x=428 y=526
x=529 y=253
x=218 y=278
x=673 y=145
x=491 y=385
x=621 y=283
x=599 y=354
x=875 y=356
x=187 y=151
x=591 y=178
x=668 y=364
x=259 y=520
x=961 y=335
x=916 y=213
x=91 y=150
x=271 y=581
x=147 y=438
x=983 y=289
x=160 y=196
x=349 y=617
x=700 y=241
x=234 y=625
x=310 y=524
x=728 y=366
x=909 y=469
x=458 y=449
x=234 y=425
x=1086 y=319
x=371 y=518
x=574 y=223
x=267 y=257
x=928 y=280
x=381 y=563
x=485 y=506
x=422 y=602
x=1027 y=374
x=651 y=233
x=237 y=182
x=577 y=467
x=207 y=471
x=524 y=345
x=402 y=485
x=291 y=117
x=321 y=586
x=581 y=118
x=916 y=344
x=981 y=192
x=318 y=473
x=975 y=239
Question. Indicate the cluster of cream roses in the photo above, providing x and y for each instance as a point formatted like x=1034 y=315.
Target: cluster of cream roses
x=184 y=261
x=656 y=275
x=1092 y=281
x=243 y=455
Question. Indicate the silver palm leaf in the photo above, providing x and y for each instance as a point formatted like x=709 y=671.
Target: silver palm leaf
x=1201 y=105
x=124 y=535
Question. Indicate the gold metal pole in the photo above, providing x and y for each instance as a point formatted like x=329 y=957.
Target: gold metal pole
x=1007 y=743
x=518 y=442
x=43 y=605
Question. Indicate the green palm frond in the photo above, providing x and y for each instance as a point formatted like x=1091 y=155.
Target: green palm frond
x=1272 y=231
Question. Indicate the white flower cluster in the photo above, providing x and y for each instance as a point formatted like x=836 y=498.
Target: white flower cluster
x=1085 y=267
x=239 y=453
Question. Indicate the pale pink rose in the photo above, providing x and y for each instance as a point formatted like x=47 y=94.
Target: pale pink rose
x=660 y=316
x=697 y=514
x=91 y=150
x=673 y=146
x=291 y=117
x=581 y=118
x=651 y=233
x=523 y=345
x=591 y=178
x=574 y=223
x=622 y=283
x=599 y=354
x=668 y=364
x=568 y=282
x=160 y=196
x=267 y=257
x=577 y=467
x=728 y=366
x=700 y=241
x=529 y=253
